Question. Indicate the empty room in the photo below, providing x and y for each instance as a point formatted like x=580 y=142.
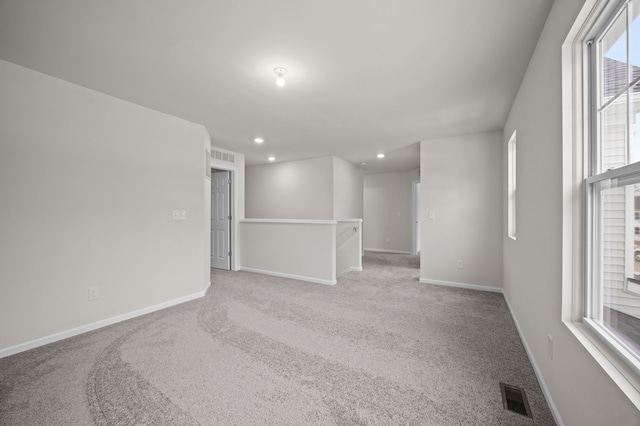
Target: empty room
x=327 y=213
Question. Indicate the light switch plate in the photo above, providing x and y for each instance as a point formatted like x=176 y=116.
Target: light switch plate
x=179 y=215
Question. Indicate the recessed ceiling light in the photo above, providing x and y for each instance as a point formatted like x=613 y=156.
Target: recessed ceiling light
x=272 y=158
x=381 y=155
x=280 y=72
x=258 y=140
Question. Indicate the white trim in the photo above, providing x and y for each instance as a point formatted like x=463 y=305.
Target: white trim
x=575 y=269
x=232 y=242
x=12 y=350
x=612 y=365
x=235 y=170
x=290 y=276
x=350 y=269
x=536 y=369
x=349 y=220
x=512 y=185
x=388 y=251
x=293 y=221
x=415 y=218
x=462 y=285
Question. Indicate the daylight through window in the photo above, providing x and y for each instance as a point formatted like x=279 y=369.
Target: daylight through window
x=612 y=305
x=511 y=186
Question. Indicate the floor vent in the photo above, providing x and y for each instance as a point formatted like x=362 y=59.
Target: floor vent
x=514 y=399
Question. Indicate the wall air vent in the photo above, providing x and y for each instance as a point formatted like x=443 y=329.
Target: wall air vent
x=514 y=399
x=222 y=156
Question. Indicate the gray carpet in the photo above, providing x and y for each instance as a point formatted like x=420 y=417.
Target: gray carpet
x=377 y=348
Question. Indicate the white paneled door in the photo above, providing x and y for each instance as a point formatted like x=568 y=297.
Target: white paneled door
x=220 y=220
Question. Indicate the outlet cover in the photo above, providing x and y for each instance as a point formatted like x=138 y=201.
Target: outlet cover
x=460 y=264
x=94 y=293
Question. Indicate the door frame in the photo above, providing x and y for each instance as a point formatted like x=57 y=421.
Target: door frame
x=415 y=215
x=234 y=217
x=230 y=243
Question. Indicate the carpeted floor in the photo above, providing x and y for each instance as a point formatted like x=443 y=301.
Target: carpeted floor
x=377 y=348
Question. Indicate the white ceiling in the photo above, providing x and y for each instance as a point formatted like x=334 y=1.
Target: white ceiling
x=364 y=75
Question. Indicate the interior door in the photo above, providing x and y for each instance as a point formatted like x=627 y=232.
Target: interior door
x=220 y=220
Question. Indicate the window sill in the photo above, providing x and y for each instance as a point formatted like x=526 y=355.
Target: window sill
x=621 y=374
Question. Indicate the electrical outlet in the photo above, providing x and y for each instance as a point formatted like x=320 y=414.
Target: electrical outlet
x=94 y=293
x=460 y=264
x=550 y=347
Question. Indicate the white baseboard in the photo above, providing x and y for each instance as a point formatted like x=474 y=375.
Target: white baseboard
x=461 y=285
x=12 y=350
x=388 y=251
x=291 y=276
x=543 y=385
x=350 y=269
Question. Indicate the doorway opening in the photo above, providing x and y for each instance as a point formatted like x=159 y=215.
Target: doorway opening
x=221 y=218
x=416 y=217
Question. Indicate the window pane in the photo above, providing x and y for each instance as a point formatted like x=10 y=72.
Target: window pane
x=511 y=186
x=617 y=300
x=634 y=35
x=613 y=51
x=615 y=147
x=613 y=134
x=634 y=125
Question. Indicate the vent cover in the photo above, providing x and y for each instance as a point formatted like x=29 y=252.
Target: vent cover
x=222 y=156
x=515 y=399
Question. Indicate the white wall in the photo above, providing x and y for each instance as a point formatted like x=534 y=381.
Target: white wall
x=319 y=189
x=581 y=391
x=388 y=204
x=295 y=249
x=348 y=246
x=291 y=190
x=347 y=190
x=461 y=183
x=88 y=183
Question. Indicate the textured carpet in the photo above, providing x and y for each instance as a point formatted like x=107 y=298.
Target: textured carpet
x=377 y=348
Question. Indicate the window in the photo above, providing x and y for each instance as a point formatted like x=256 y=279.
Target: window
x=612 y=179
x=511 y=186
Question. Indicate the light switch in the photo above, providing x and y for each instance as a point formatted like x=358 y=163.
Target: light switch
x=432 y=215
x=179 y=215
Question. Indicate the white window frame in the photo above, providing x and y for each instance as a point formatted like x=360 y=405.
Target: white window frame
x=577 y=125
x=511 y=186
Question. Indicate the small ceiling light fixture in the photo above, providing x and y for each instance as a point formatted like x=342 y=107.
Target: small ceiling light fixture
x=381 y=155
x=363 y=164
x=272 y=158
x=280 y=72
x=258 y=140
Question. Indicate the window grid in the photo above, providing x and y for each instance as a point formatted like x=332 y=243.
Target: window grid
x=612 y=305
